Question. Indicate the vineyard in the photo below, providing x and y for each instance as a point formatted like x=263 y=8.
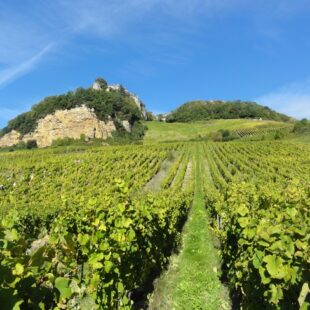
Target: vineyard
x=261 y=133
x=83 y=230
x=258 y=196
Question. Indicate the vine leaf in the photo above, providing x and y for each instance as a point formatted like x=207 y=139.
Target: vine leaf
x=275 y=266
x=62 y=284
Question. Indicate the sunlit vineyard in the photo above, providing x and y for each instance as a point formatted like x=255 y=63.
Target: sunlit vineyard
x=262 y=133
x=83 y=229
x=80 y=229
x=258 y=195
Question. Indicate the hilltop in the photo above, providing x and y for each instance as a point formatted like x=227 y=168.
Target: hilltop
x=217 y=109
x=100 y=111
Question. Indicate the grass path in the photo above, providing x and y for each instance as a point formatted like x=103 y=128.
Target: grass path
x=191 y=282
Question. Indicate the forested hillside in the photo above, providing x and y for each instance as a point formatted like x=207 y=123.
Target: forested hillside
x=206 y=110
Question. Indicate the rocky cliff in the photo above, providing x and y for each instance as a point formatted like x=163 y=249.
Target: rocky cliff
x=63 y=124
x=11 y=138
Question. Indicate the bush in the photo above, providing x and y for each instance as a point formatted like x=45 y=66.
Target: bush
x=21 y=145
x=150 y=116
x=279 y=135
x=31 y=144
x=223 y=135
x=65 y=142
x=102 y=83
x=302 y=126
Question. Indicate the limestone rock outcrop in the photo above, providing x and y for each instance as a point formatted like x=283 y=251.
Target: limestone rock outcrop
x=126 y=125
x=63 y=124
x=10 y=139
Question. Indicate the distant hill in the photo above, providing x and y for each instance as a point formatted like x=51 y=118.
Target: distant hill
x=206 y=110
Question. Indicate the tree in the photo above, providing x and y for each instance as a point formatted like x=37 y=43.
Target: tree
x=302 y=126
x=101 y=82
x=150 y=116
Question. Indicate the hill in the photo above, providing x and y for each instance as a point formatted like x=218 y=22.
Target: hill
x=206 y=110
x=163 y=132
x=100 y=111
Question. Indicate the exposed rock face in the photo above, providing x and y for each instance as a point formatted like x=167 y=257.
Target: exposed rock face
x=140 y=105
x=96 y=86
x=111 y=87
x=11 y=138
x=126 y=125
x=64 y=124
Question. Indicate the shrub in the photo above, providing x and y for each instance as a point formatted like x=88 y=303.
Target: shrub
x=31 y=144
x=302 y=126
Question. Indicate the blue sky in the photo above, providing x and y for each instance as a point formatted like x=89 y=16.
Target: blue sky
x=166 y=51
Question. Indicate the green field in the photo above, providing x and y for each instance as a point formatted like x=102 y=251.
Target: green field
x=163 y=132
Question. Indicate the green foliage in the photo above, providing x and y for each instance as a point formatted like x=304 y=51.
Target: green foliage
x=121 y=136
x=206 y=110
x=279 y=135
x=31 y=144
x=223 y=135
x=85 y=253
x=21 y=145
x=150 y=116
x=267 y=243
x=67 y=141
x=302 y=126
x=76 y=226
x=265 y=133
x=102 y=83
x=95 y=253
x=258 y=196
x=244 y=128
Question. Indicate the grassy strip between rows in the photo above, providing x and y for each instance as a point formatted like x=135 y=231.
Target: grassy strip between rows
x=192 y=282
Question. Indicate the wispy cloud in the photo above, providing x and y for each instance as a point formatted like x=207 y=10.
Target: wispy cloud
x=292 y=99
x=6 y=114
x=11 y=73
x=30 y=29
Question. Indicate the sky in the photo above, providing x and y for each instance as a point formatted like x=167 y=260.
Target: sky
x=166 y=51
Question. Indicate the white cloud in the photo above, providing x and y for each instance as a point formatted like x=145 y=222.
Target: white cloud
x=292 y=99
x=13 y=72
x=6 y=114
x=26 y=31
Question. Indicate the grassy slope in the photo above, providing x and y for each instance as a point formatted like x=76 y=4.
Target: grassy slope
x=191 y=281
x=160 y=131
x=304 y=138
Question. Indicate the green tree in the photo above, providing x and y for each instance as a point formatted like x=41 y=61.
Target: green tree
x=31 y=144
x=102 y=82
